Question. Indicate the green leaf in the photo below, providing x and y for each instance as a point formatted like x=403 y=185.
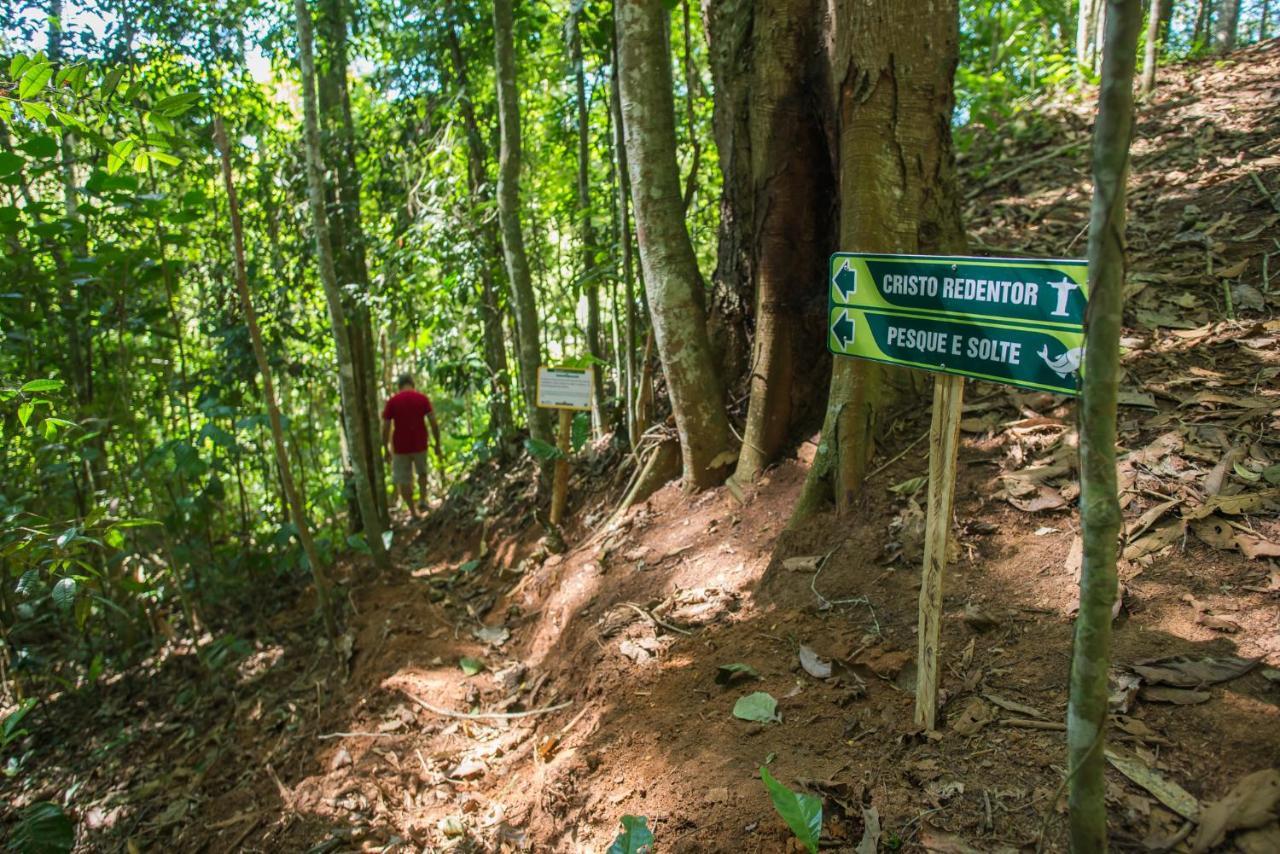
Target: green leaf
x=42 y=146
x=43 y=829
x=542 y=450
x=24 y=412
x=1271 y=474
x=726 y=673
x=635 y=838
x=760 y=707
x=357 y=542
x=802 y=813
x=34 y=78
x=165 y=158
x=41 y=385
x=176 y=105
x=9 y=162
x=64 y=592
x=111 y=81
x=16 y=65
x=471 y=666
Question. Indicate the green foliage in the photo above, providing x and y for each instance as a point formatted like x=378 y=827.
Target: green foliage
x=727 y=673
x=43 y=828
x=635 y=838
x=541 y=450
x=471 y=666
x=802 y=813
x=759 y=706
x=11 y=727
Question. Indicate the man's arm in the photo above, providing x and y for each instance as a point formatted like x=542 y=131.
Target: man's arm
x=435 y=431
x=386 y=434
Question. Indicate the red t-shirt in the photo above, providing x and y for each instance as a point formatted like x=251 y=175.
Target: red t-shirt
x=407 y=410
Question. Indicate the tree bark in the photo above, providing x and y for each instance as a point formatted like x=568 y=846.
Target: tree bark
x=294 y=502
x=779 y=201
x=501 y=423
x=1099 y=501
x=346 y=233
x=1152 y=52
x=356 y=427
x=634 y=428
x=587 y=235
x=672 y=279
x=1225 y=26
x=526 y=310
x=893 y=71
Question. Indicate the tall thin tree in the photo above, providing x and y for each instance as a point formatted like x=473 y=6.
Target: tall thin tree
x=296 y=506
x=355 y=425
x=672 y=279
x=510 y=151
x=1099 y=501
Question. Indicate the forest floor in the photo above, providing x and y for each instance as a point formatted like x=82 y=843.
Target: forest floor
x=622 y=636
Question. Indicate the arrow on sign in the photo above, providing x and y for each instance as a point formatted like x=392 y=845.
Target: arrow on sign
x=845 y=280
x=843 y=329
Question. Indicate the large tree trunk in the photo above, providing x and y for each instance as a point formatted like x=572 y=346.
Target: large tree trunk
x=893 y=70
x=1099 y=501
x=501 y=424
x=346 y=234
x=778 y=208
x=671 y=275
x=1225 y=25
x=529 y=347
x=587 y=235
x=356 y=427
x=293 y=498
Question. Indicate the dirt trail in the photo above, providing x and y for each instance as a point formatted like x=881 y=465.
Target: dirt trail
x=622 y=636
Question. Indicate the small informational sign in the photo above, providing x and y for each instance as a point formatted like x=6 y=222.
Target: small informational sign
x=564 y=388
x=1008 y=320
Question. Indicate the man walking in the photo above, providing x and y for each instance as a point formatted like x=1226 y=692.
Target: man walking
x=404 y=433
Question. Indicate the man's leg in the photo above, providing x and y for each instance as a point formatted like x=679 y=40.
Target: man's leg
x=402 y=477
x=422 y=465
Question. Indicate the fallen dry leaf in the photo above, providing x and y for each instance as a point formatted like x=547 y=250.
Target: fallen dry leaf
x=1254 y=801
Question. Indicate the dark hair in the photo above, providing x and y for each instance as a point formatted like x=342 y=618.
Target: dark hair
x=405 y=380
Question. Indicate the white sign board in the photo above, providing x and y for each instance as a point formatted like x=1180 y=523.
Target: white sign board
x=564 y=388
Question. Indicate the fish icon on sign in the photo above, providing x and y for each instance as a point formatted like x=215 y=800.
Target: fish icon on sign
x=1064 y=364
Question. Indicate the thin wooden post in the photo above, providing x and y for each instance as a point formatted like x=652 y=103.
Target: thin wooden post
x=560 y=489
x=944 y=441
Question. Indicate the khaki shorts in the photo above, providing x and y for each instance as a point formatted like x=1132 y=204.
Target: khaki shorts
x=403 y=466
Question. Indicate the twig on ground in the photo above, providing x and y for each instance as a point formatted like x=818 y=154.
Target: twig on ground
x=474 y=716
x=900 y=455
x=362 y=735
x=1027 y=723
x=642 y=612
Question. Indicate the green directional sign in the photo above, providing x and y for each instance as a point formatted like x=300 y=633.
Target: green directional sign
x=1009 y=320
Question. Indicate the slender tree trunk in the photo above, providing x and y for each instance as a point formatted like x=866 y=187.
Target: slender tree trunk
x=772 y=86
x=495 y=349
x=1226 y=24
x=296 y=506
x=1152 y=51
x=672 y=279
x=897 y=194
x=624 y=237
x=1199 y=33
x=356 y=427
x=1086 y=25
x=346 y=233
x=590 y=274
x=522 y=294
x=1099 y=502
x=1262 y=21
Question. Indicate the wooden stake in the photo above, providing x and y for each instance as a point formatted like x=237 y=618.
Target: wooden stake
x=560 y=489
x=944 y=440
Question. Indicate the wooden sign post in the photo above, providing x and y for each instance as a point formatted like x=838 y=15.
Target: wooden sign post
x=1008 y=320
x=568 y=390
